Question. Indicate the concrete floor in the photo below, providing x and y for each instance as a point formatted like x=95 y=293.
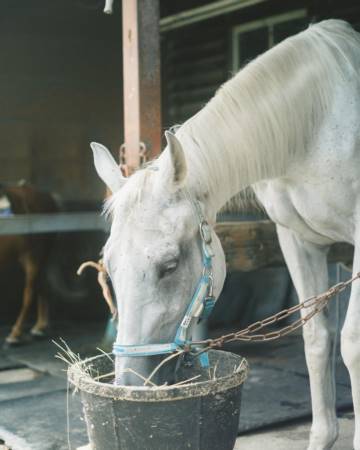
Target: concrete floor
x=294 y=437
x=33 y=394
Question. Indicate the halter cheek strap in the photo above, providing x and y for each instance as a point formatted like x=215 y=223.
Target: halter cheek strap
x=200 y=307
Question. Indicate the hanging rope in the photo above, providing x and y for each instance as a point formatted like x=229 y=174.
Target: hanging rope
x=102 y=280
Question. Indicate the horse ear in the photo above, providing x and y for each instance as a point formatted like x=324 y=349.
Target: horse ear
x=107 y=168
x=177 y=157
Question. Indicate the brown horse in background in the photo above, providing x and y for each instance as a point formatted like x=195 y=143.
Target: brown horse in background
x=32 y=252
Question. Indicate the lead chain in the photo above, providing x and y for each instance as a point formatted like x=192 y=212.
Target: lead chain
x=317 y=303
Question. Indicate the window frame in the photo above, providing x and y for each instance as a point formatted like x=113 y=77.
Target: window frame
x=269 y=23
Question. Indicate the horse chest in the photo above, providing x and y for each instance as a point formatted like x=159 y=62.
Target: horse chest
x=322 y=210
x=319 y=197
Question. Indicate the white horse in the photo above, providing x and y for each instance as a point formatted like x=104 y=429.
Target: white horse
x=288 y=125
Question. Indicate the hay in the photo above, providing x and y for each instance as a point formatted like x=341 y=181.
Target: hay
x=162 y=363
x=71 y=358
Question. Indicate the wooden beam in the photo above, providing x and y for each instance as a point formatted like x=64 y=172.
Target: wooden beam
x=142 y=90
x=254 y=245
x=53 y=223
x=247 y=245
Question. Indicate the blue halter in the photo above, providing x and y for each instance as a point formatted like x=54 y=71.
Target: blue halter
x=200 y=307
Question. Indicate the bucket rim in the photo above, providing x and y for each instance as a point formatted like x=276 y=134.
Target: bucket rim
x=83 y=382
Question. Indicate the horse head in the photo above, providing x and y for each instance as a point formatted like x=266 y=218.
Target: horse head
x=155 y=254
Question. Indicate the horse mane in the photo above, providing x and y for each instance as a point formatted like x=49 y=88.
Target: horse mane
x=269 y=113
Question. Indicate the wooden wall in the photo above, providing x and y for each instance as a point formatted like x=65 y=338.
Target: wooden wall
x=60 y=88
x=197 y=58
x=61 y=81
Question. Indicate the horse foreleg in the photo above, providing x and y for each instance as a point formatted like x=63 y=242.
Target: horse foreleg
x=307 y=264
x=42 y=321
x=31 y=272
x=350 y=345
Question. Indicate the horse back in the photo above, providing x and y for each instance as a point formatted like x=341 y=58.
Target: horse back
x=26 y=199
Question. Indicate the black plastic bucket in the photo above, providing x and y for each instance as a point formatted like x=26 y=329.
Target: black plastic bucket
x=199 y=415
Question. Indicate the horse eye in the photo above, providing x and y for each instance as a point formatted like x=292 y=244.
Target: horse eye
x=167 y=268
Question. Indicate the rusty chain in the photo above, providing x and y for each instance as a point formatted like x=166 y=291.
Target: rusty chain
x=317 y=303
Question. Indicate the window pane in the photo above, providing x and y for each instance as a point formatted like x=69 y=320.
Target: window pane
x=251 y=44
x=286 y=29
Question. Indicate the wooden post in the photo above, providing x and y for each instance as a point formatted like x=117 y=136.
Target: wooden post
x=142 y=90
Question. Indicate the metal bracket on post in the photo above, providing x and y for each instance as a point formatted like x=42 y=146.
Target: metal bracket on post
x=126 y=171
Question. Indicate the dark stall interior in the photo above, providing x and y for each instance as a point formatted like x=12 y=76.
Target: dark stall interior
x=61 y=87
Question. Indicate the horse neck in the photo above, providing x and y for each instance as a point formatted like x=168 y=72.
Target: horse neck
x=225 y=154
x=265 y=118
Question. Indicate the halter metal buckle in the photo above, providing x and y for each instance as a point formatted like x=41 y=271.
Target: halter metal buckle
x=205 y=232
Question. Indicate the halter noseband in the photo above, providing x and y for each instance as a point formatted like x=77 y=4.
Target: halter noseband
x=200 y=307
